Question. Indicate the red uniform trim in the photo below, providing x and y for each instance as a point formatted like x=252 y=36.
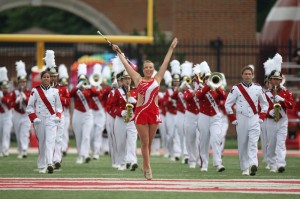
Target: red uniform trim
x=45 y=100
x=32 y=116
x=248 y=98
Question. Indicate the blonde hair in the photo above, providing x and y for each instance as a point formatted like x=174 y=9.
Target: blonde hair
x=147 y=62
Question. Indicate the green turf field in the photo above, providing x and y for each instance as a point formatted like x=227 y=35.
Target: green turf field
x=163 y=168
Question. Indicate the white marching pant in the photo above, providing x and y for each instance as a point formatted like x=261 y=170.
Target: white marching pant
x=57 y=156
x=180 y=130
x=5 y=130
x=248 y=131
x=264 y=141
x=191 y=137
x=163 y=132
x=21 y=124
x=65 y=139
x=276 y=135
x=126 y=137
x=82 y=123
x=171 y=133
x=110 y=122
x=46 y=133
x=224 y=128
x=210 y=135
x=96 y=132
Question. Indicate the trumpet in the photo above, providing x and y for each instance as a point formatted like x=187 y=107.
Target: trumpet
x=200 y=80
x=129 y=106
x=276 y=107
x=187 y=79
x=215 y=80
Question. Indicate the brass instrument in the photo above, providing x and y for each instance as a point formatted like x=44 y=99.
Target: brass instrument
x=276 y=107
x=200 y=80
x=95 y=80
x=215 y=80
x=187 y=79
x=129 y=106
x=64 y=81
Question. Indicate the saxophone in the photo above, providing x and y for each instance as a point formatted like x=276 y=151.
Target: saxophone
x=129 y=106
x=276 y=107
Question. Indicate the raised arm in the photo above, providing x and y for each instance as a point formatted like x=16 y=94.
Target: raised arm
x=135 y=76
x=160 y=74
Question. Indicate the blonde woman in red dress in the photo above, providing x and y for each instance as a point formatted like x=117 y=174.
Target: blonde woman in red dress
x=147 y=115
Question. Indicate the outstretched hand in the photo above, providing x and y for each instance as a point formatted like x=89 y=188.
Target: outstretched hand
x=174 y=43
x=115 y=48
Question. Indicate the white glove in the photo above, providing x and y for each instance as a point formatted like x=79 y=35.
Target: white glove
x=260 y=121
x=124 y=113
x=299 y=114
x=37 y=121
x=1 y=94
x=183 y=85
x=79 y=85
x=114 y=85
x=88 y=87
x=18 y=99
x=235 y=122
x=131 y=100
x=23 y=95
x=56 y=119
x=271 y=113
x=278 y=98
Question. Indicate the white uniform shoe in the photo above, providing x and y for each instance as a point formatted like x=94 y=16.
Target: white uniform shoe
x=203 y=169
x=43 y=170
x=79 y=160
x=122 y=168
x=245 y=172
x=192 y=165
x=220 y=168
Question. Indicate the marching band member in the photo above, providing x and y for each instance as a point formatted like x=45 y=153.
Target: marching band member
x=162 y=102
x=111 y=115
x=123 y=102
x=191 y=118
x=65 y=101
x=172 y=109
x=82 y=120
x=224 y=122
x=64 y=81
x=280 y=99
x=20 y=119
x=44 y=110
x=263 y=134
x=98 y=112
x=5 y=113
x=246 y=95
x=209 y=120
x=147 y=115
x=186 y=73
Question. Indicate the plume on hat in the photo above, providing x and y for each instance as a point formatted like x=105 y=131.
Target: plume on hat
x=154 y=73
x=186 y=69
x=167 y=77
x=20 y=67
x=97 y=69
x=3 y=74
x=49 y=59
x=175 y=67
x=63 y=71
x=204 y=67
x=268 y=66
x=82 y=70
x=277 y=62
x=117 y=65
x=251 y=66
x=196 y=69
x=106 y=73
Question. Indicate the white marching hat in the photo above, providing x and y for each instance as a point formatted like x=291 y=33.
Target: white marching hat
x=50 y=62
x=3 y=77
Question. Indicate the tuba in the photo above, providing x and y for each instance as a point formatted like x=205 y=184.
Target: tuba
x=129 y=106
x=276 y=107
x=95 y=80
x=215 y=80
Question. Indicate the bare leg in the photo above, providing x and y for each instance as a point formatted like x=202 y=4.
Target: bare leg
x=146 y=133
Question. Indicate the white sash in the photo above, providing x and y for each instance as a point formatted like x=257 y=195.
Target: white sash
x=97 y=102
x=83 y=100
x=122 y=93
x=180 y=95
x=212 y=102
